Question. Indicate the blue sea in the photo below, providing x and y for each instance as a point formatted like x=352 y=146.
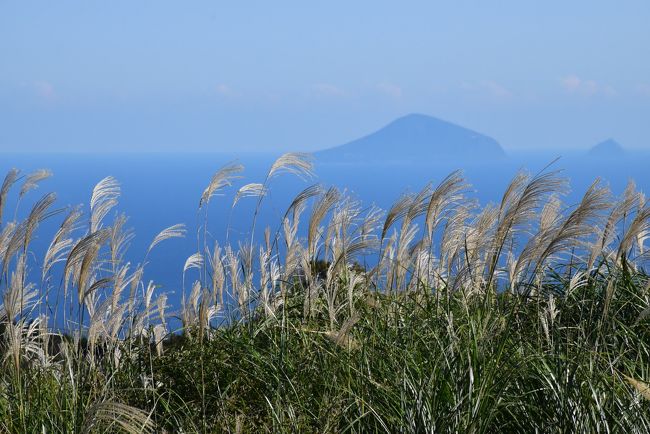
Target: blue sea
x=162 y=189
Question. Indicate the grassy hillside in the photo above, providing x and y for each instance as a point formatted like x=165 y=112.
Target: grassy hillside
x=522 y=316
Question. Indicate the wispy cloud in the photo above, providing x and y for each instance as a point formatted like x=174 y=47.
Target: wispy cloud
x=491 y=89
x=572 y=83
x=390 y=89
x=327 y=90
x=44 y=90
x=223 y=90
x=497 y=90
x=576 y=85
x=643 y=89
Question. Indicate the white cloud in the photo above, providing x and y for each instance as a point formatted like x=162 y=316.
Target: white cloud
x=643 y=89
x=497 y=90
x=491 y=89
x=576 y=85
x=608 y=90
x=390 y=89
x=328 y=90
x=571 y=83
x=223 y=89
x=44 y=90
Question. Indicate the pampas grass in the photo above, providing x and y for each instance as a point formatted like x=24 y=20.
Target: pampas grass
x=32 y=180
x=528 y=315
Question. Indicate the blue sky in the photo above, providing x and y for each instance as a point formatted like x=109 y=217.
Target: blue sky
x=212 y=75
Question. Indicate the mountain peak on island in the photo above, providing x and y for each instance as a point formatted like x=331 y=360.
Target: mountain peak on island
x=416 y=137
x=607 y=148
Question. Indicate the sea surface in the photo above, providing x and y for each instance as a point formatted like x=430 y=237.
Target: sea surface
x=162 y=189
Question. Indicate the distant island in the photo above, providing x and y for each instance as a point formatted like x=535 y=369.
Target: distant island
x=416 y=137
x=608 y=148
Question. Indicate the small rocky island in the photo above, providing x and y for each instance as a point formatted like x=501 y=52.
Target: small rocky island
x=415 y=137
x=608 y=148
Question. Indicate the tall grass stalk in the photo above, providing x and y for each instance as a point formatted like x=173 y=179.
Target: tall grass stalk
x=529 y=315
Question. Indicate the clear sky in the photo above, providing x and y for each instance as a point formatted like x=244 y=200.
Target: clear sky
x=303 y=75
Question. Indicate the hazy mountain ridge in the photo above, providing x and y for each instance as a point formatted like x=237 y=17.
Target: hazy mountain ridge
x=413 y=137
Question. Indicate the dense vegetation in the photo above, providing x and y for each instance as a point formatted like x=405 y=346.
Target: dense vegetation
x=530 y=315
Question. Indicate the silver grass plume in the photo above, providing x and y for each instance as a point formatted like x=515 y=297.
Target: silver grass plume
x=232 y=262
x=119 y=240
x=618 y=212
x=578 y=224
x=38 y=213
x=222 y=178
x=9 y=181
x=396 y=212
x=103 y=199
x=199 y=310
x=342 y=337
x=189 y=307
x=135 y=280
x=297 y=163
x=269 y=277
x=81 y=260
x=17 y=298
x=452 y=239
x=24 y=343
x=218 y=273
x=160 y=330
x=642 y=236
x=141 y=325
x=22 y=233
x=104 y=324
x=355 y=281
x=290 y=230
x=578 y=280
x=637 y=229
x=32 y=180
x=302 y=197
x=246 y=254
x=90 y=295
x=290 y=223
x=547 y=317
x=447 y=194
x=120 y=282
x=61 y=243
x=319 y=211
x=477 y=241
x=115 y=415
x=347 y=254
x=519 y=205
x=426 y=265
x=417 y=207
x=6 y=237
x=386 y=255
x=265 y=258
x=550 y=214
x=340 y=230
x=161 y=303
x=159 y=333
x=641 y=387
x=331 y=292
x=194 y=261
x=175 y=231
x=371 y=221
x=249 y=190
x=14 y=244
x=402 y=262
x=44 y=335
